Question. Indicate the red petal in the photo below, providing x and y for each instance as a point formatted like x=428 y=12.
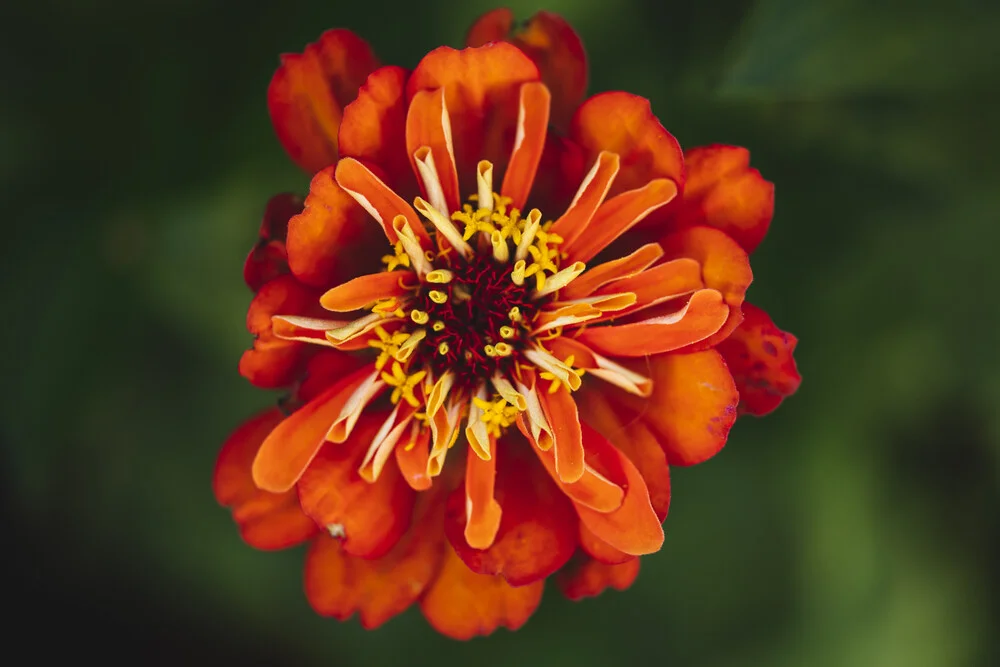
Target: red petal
x=597 y=276
x=537 y=532
x=593 y=190
x=274 y=362
x=722 y=191
x=290 y=447
x=591 y=490
x=327 y=368
x=692 y=407
x=481 y=89
x=374 y=127
x=624 y=124
x=463 y=604
x=634 y=527
x=332 y=239
x=702 y=316
x=266 y=520
x=338 y=584
x=371 y=516
x=552 y=44
x=591 y=578
x=268 y=258
x=725 y=267
x=759 y=356
x=309 y=91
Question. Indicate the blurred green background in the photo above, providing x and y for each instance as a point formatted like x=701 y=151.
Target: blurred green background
x=855 y=526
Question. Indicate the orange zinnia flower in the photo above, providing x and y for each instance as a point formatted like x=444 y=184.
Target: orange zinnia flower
x=502 y=314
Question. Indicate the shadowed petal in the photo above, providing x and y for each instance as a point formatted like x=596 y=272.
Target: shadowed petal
x=537 y=533
x=552 y=44
x=590 y=578
x=266 y=520
x=309 y=91
x=463 y=604
x=268 y=259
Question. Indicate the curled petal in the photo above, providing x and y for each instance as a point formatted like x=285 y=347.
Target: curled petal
x=365 y=290
x=481 y=92
x=593 y=489
x=463 y=604
x=266 y=520
x=725 y=267
x=529 y=143
x=338 y=584
x=412 y=457
x=724 y=192
x=384 y=205
x=561 y=414
x=428 y=127
x=634 y=527
x=288 y=449
x=482 y=511
x=552 y=44
x=636 y=441
x=373 y=129
x=600 y=275
x=537 y=533
x=698 y=319
x=368 y=517
x=309 y=91
x=594 y=188
x=268 y=259
x=332 y=239
x=759 y=356
x=624 y=124
x=274 y=362
x=591 y=577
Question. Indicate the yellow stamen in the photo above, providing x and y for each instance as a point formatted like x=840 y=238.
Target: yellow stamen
x=443 y=349
x=419 y=316
x=439 y=276
x=507 y=332
x=438 y=326
x=437 y=296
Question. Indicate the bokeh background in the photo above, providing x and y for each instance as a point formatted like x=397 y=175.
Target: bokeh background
x=855 y=526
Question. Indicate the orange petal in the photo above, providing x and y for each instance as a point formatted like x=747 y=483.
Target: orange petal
x=624 y=124
x=619 y=214
x=268 y=259
x=378 y=199
x=481 y=90
x=635 y=440
x=670 y=280
x=428 y=125
x=266 y=520
x=561 y=414
x=759 y=356
x=412 y=456
x=600 y=550
x=702 y=316
x=592 y=577
x=537 y=533
x=624 y=267
x=462 y=604
x=365 y=290
x=482 y=511
x=722 y=191
x=725 y=267
x=338 y=584
x=309 y=91
x=290 y=447
x=634 y=527
x=369 y=517
x=692 y=407
x=274 y=362
x=592 y=490
x=552 y=44
x=374 y=127
x=529 y=143
x=332 y=239
x=594 y=188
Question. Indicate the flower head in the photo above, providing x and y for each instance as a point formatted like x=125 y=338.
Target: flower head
x=501 y=314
